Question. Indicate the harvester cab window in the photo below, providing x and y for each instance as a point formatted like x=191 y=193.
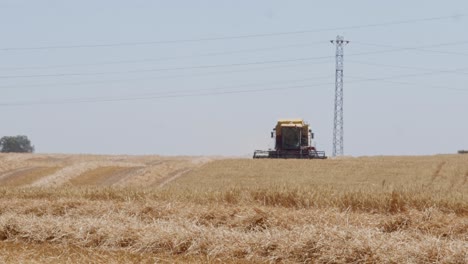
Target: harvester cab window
x=291 y=137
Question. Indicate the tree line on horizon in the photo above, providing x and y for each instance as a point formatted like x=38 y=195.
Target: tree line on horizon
x=16 y=144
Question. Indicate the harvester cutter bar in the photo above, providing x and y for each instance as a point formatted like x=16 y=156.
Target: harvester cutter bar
x=289 y=154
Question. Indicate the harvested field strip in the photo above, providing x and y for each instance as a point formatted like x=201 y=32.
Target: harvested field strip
x=26 y=176
x=389 y=202
x=11 y=173
x=391 y=185
x=173 y=176
x=99 y=170
x=356 y=174
x=235 y=233
x=17 y=252
x=101 y=176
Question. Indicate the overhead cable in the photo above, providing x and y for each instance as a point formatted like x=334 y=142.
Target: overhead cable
x=120 y=44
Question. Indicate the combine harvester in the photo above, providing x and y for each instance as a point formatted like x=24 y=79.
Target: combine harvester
x=293 y=140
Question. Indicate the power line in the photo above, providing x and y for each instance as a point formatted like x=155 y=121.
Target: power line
x=411 y=75
x=163 y=69
x=121 y=44
x=218 y=88
x=225 y=65
x=425 y=85
x=416 y=48
x=165 y=58
x=116 y=99
x=407 y=67
x=395 y=49
x=161 y=77
x=431 y=71
x=208 y=93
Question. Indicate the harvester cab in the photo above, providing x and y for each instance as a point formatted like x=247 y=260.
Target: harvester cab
x=293 y=140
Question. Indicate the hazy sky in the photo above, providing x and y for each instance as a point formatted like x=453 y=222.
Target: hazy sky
x=208 y=78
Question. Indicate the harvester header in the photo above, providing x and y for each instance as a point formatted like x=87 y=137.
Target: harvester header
x=293 y=140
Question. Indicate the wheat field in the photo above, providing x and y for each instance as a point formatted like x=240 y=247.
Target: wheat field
x=153 y=209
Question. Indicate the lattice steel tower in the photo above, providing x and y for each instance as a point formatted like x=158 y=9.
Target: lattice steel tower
x=338 y=120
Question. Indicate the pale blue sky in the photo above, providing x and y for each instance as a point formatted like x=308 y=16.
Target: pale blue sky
x=411 y=101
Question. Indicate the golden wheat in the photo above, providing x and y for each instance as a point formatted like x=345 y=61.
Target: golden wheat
x=366 y=210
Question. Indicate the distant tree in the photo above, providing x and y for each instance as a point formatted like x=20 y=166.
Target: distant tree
x=18 y=144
